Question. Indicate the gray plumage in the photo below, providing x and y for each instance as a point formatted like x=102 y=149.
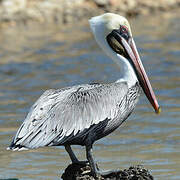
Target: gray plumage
x=76 y=115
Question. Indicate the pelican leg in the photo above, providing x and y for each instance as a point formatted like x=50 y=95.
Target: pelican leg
x=73 y=157
x=95 y=171
x=93 y=166
x=71 y=154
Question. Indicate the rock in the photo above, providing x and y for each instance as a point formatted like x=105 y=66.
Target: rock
x=83 y=172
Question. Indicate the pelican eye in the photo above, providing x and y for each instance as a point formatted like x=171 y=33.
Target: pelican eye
x=124 y=32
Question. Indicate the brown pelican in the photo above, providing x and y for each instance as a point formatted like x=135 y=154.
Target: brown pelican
x=82 y=114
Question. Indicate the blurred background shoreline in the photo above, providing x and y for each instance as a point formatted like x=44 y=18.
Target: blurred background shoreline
x=72 y=11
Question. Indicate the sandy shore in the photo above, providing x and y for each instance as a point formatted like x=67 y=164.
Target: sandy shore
x=71 y=11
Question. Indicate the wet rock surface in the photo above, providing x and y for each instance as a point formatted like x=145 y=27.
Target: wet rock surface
x=83 y=172
x=68 y=11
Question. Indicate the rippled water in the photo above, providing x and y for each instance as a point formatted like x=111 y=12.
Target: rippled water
x=34 y=58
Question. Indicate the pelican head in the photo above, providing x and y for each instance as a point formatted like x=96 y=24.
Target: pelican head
x=113 y=34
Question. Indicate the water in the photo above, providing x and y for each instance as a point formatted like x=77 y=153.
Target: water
x=36 y=58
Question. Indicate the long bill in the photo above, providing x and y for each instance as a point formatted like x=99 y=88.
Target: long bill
x=132 y=52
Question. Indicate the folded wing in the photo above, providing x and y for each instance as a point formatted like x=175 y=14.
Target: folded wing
x=59 y=115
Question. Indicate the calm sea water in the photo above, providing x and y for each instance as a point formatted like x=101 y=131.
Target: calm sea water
x=36 y=58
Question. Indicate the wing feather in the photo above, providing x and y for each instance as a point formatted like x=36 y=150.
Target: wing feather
x=59 y=115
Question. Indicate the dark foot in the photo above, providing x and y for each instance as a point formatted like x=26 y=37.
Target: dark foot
x=107 y=173
x=100 y=173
